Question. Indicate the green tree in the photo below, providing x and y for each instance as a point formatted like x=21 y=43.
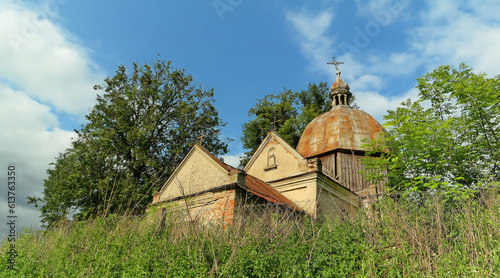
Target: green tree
x=288 y=113
x=454 y=145
x=143 y=124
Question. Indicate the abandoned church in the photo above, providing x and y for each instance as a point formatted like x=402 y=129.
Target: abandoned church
x=320 y=177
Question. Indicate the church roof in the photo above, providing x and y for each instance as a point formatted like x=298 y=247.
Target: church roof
x=339 y=83
x=251 y=183
x=341 y=128
x=256 y=186
x=272 y=135
x=214 y=158
x=264 y=190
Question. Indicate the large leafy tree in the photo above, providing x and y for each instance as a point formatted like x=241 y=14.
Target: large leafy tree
x=288 y=113
x=139 y=130
x=453 y=146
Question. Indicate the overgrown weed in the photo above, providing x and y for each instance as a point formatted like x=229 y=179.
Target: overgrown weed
x=391 y=239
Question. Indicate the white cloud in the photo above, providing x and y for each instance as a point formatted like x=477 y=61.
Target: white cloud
x=232 y=160
x=35 y=53
x=487 y=10
x=381 y=8
x=367 y=82
x=43 y=72
x=377 y=105
x=393 y=64
x=453 y=32
x=312 y=38
x=29 y=140
x=444 y=32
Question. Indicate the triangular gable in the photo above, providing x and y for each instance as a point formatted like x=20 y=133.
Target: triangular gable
x=275 y=159
x=198 y=171
x=216 y=160
x=201 y=172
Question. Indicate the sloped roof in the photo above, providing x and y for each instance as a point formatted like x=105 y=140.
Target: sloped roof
x=341 y=128
x=252 y=184
x=224 y=165
x=273 y=135
x=264 y=190
x=257 y=186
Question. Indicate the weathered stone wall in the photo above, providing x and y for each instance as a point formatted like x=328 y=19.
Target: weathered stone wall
x=211 y=207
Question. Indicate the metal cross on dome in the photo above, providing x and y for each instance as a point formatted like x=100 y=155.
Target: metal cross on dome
x=335 y=63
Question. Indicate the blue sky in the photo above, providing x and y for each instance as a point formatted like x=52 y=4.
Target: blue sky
x=52 y=52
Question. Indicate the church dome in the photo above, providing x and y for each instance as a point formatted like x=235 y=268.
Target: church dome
x=342 y=128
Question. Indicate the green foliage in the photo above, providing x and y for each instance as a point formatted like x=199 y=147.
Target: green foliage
x=142 y=125
x=391 y=239
x=451 y=147
x=287 y=112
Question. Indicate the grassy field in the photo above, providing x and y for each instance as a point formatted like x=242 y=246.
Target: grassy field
x=393 y=239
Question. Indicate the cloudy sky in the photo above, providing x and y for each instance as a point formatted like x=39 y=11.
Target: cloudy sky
x=52 y=53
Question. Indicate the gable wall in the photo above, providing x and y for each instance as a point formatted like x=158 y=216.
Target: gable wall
x=196 y=174
x=286 y=164
x=326 y=184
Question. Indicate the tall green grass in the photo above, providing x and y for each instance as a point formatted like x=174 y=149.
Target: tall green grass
x=392 y=239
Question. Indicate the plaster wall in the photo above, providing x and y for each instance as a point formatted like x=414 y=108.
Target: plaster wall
x=196 y=174
x=276 y=162
x=300 y=189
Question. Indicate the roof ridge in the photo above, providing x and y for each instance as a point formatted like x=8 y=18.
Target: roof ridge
x=212 y=156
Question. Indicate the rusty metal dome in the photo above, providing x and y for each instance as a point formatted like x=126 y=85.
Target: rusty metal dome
x=341 y=128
